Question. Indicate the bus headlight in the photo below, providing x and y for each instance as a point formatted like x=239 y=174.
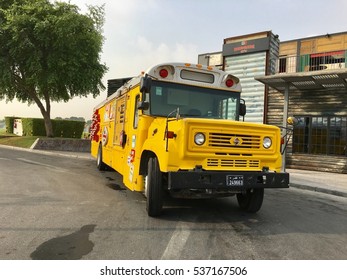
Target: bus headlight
x=267 y=142
x=199 y=138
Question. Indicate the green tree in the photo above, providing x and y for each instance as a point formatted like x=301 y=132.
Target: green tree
x=49 y=52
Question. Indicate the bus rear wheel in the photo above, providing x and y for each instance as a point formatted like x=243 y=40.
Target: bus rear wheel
x=251 y=201
x=153 y=188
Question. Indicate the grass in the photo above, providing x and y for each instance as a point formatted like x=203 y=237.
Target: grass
x=17 y=141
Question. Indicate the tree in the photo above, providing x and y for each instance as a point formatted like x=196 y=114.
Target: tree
x=49 y=52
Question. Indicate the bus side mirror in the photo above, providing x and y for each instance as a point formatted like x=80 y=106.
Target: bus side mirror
x=242 y=109
x=143 y=105
x=145 y=84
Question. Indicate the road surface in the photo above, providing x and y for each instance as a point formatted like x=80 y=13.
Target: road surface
x=55 y=207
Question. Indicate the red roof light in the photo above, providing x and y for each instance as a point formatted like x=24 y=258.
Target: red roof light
x=163 y=73
x=229 y=83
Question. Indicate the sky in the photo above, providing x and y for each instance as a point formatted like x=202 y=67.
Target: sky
x=141 y=33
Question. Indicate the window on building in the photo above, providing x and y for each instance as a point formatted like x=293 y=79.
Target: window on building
x=321 y=135
x=282 y=65
x=287 y=64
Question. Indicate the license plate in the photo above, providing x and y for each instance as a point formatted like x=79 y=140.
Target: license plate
x=235 y=180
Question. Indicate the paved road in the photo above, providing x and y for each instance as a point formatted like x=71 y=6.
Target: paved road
x=55 y=207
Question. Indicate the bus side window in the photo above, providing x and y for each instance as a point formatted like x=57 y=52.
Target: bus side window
x=136 y=114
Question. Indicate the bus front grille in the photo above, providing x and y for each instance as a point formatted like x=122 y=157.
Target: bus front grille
x=233 y=163
x=241 y=141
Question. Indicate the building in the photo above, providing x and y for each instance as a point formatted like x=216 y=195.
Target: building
x=306 y=78
x=248 y=56
x=215 y=59
x=311 y=84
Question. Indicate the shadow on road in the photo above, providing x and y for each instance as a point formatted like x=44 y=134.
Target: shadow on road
x=69 y=247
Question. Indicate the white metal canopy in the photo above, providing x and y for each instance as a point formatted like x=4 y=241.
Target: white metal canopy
x=304 y=81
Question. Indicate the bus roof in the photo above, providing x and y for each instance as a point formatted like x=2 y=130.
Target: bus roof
x=195 y=74
x=183 y=73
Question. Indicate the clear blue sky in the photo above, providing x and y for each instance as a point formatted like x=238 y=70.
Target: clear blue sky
x=141 y=33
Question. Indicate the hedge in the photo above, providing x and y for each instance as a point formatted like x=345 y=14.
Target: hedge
x=9 y=121
x=36 y=127
x=68 y=128
x=33 y=127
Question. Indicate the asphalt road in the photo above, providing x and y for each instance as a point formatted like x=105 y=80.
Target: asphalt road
x=54 y=207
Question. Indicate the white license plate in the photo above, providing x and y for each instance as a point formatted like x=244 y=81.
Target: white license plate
x=235 y=180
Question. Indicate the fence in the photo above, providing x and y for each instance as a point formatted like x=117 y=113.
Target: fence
x=311 y=62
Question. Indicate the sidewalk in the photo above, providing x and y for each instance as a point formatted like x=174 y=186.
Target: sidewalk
x=324 y=182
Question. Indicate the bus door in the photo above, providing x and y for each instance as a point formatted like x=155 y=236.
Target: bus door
x=133 y=146
x=119 y=126
x=119 y=135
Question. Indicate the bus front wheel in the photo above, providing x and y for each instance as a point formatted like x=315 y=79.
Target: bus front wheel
x=153 y=188
x=251 y=201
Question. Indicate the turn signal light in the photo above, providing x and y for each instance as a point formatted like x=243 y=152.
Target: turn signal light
x=170 y=134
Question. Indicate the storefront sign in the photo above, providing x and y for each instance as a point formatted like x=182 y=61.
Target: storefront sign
x=246 y=46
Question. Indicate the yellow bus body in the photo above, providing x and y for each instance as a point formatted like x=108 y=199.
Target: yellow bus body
x=127 y=137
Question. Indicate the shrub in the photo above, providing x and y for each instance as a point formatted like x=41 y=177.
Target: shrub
x=67 y=128
x=9 y=121
x=33 y=127
x=61 y=128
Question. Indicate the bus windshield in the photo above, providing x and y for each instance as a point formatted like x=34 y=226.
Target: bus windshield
x=192 y=101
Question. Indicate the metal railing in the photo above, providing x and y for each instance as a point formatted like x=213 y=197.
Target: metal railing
x=311 y=62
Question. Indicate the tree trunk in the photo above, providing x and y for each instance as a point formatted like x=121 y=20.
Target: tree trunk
x=47 y=116
x=48 y=124
x=46 y=112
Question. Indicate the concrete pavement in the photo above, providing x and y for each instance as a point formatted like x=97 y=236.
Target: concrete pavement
x=52 y=152
x=324 y=182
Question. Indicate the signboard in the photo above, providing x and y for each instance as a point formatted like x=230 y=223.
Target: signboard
x=246 y=46
x=18 y=127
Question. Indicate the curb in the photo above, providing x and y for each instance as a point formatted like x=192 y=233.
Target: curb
x=56 y=153
x=318 y=189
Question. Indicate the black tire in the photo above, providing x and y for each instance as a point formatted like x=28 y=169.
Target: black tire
x=251 y=201
x=153 y=188
x=99 y=163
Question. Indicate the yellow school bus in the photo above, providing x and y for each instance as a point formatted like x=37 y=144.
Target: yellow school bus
x=177 y=129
